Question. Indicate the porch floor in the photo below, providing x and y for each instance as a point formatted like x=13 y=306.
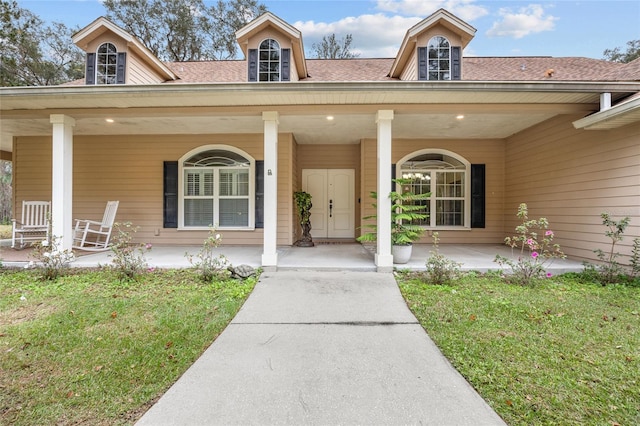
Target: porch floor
x=342 y=257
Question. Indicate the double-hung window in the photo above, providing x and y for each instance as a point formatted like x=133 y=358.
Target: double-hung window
x=439 y=58
x=446 y=178
x=269 y=60
x=106 y=64
x=217 y=190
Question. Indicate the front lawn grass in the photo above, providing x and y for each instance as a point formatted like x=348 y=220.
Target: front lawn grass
x=561 y=352
x=90 y=349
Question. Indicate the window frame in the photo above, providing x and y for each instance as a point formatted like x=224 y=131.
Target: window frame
x=104 y=78
x=270 y=61
x=216 y=196
x=433 y=200
x=439 y=59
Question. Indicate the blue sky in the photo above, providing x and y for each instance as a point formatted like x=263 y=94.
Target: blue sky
x=504 y=28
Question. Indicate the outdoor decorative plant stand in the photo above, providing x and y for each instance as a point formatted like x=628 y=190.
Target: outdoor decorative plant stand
x=303 y=202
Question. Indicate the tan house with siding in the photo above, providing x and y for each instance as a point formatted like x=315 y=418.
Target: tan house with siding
x=186 y=145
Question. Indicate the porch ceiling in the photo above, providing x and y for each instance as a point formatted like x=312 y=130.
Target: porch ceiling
x=490 y=109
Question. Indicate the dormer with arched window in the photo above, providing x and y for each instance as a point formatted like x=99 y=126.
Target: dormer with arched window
x=432 y=49
x=116 y=57
x=273 y=49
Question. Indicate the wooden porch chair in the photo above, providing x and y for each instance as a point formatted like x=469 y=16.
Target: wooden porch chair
x=34 y=225
x=91 y=235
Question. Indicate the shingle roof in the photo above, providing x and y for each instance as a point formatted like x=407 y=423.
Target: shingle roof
x=529 y=68
x=526 y=68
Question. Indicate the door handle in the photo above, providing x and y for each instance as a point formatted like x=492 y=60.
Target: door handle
x=330 y=208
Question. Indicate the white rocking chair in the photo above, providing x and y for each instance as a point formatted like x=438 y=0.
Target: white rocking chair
x=91 y=235
x=34 y=225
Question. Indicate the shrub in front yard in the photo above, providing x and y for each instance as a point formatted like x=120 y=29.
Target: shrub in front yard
x=440 y=269
x=609 y=270
x=206 y=262
x=535 y=247
x=50 y=259
x=128 y=258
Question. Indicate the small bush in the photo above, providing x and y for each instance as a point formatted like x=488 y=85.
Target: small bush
x=207 y=263
x=128 y=258
x=534 y=241
x=609 y=270
x=440 y=269
x=50 y=259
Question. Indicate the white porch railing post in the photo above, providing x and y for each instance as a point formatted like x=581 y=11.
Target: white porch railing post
x=270 y=253
x=62 y=178
x=383 y=258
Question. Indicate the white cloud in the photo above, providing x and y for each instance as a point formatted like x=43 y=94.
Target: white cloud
x=525 y=21
x=379 y=35
x=374 y=36
x=466 y=10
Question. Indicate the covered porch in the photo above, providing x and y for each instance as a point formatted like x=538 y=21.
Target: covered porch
x=328 y=256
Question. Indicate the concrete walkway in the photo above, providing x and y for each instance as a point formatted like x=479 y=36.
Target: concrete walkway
x=322 y=348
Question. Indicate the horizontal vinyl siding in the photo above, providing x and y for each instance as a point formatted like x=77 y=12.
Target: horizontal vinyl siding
x=488 y=152
x=139 y=73
x=410 y=72
x=31 y=171
x=128 y=169
x=570 y=177
x=285 y=191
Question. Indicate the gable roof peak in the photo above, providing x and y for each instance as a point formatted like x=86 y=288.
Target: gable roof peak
x=439 y=17
x=95 y=29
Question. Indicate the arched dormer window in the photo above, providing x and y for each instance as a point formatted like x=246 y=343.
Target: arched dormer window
x=217 y=188
x=269 y=62
x=269 y=68
x=106 y=66
x=439 y=61
x=439 y=58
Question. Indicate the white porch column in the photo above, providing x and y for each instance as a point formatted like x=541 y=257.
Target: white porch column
x=62 y=178
x=383 y=258
x=270 y=254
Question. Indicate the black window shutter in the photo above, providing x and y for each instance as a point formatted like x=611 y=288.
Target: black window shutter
x=259 y=194
x=285 y=58
x=90 y=69
x=423 y=71
x=253 y=64
x=477 y=195
x=122 y=66
x=455 y=63
x=170 y=208
x=393 y=177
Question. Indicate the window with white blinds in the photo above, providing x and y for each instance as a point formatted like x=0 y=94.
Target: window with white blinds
x=217 y=190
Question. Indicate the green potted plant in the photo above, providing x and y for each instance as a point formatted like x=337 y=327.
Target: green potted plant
x=303 y=204
x=404 y=211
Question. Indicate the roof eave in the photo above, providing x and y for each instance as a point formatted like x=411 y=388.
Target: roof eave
x=612 y=118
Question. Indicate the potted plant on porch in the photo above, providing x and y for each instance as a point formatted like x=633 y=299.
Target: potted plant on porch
x=405 y=209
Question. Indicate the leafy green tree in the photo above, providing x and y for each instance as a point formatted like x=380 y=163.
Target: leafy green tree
x=331 y=48
x=185 y=30
x=35 y=54
x=617 y=55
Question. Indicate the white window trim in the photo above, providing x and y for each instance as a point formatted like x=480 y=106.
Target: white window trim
x=252 y=189
x=97 y=65
x=279 y=61
x=467 y=187
x=428 y=43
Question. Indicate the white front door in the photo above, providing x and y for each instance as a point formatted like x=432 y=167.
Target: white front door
x=333 y=203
